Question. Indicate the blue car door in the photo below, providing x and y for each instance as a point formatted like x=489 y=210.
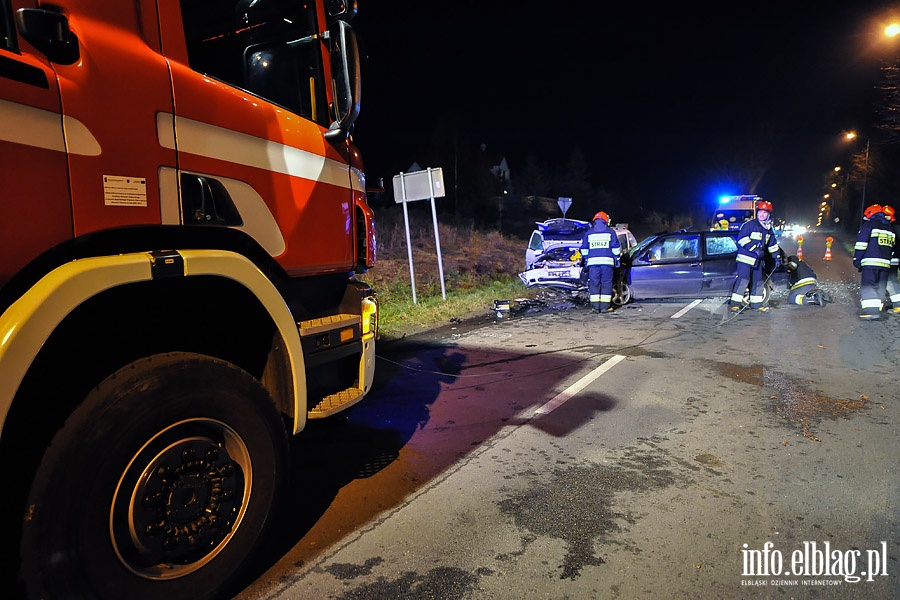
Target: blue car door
x=719 y=262
x=669 y=267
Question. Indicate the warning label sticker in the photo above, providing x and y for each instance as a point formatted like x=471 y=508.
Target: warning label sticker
x=124 y=191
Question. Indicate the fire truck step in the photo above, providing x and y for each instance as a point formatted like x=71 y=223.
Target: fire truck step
x=329 y=323
x=335 y=402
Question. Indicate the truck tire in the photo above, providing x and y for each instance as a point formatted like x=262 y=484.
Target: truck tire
x=159 y=485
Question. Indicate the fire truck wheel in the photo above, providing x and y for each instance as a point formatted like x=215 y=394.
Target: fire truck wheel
x=160 y=484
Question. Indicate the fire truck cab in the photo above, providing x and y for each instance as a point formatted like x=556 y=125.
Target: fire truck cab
x=182 y=230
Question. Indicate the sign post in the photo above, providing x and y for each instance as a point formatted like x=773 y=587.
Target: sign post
x=421 y=185
x=564 y=204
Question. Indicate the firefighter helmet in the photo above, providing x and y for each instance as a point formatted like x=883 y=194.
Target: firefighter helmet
x=601 y=215
x=889 y=213
x=764 y=205
x=792 y=263
x=872 y=210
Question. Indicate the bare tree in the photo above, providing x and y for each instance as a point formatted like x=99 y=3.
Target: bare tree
x=888 y=107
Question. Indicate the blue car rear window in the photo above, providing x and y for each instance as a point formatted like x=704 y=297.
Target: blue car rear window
x=720 y=244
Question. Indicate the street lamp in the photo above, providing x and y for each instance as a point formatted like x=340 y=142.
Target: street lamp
x=852 y=136
x=841 y=182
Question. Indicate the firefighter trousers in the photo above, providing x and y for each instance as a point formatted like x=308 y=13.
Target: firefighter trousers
x=893 y=287
x=600 y=286
x=872 y=290
x=751 y=277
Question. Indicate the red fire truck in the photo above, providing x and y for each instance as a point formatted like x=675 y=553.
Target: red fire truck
x=182 y=222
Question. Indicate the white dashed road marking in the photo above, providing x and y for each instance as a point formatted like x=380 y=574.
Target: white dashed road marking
x=686 y=308
x=579 y=385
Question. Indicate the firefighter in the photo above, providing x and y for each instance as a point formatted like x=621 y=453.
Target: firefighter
x=803 y=283
x=872 y=256
x=893 y=283
x=601 y=250
x=720 y=223
x=755 y=238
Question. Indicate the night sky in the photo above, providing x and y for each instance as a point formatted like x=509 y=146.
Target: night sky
x=662 y=101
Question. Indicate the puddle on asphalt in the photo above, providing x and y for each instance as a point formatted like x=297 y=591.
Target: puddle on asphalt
x=578 y=504
x=793 y=401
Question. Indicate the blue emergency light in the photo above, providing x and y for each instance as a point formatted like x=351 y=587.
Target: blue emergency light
x=727 y=199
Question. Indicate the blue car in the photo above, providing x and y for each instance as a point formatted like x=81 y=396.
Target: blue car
x=686 y=264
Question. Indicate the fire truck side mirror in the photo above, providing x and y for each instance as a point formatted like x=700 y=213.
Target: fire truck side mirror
x=345 y=9
x=49 y=33
x=344 y=79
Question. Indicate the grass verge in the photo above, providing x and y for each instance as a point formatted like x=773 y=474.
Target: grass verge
x=399 y=316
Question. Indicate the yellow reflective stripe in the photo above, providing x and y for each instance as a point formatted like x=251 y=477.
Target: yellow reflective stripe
x=595 y=261
x=804 y=281
x=875 y=262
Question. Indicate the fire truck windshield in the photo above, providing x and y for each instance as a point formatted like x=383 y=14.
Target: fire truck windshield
x=253 y=45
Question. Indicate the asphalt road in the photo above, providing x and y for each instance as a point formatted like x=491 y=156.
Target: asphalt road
x=670 y=450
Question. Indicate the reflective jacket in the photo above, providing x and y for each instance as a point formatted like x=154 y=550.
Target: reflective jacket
x=754 y=240
x=600 y=245
x=802 y=275
x=875 y=243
